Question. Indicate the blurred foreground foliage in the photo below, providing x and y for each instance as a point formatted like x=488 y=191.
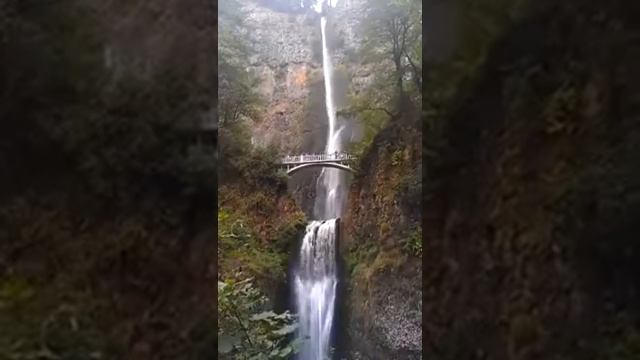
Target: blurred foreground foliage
x=105 y=182
x=247 y=330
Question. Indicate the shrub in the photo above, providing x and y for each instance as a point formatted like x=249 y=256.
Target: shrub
x=239 y=246
x=246 y=330
x=360 y=255
x=397 y=157
x=412 y=244
x=288 y=232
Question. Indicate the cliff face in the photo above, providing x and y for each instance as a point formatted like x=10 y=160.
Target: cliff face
x=286 y=54
x=383 y=270
x=530 y=234
x=282 y=58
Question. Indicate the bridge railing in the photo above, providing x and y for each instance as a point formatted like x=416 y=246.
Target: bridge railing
x=337 y=156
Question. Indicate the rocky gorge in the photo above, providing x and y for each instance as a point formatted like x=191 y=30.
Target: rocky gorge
x=382 y=214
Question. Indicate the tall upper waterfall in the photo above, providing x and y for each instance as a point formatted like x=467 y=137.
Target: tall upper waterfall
x=331 y=185
x=316 y=276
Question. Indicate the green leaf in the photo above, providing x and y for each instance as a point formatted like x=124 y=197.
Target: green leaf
x=287 y=329
x=285 y=352
x=263 y=316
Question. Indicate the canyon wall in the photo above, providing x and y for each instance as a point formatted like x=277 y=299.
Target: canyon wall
x=286 y=55
x=380 y=311
x=382 y=232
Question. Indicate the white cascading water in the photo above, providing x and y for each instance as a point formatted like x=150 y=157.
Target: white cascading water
x=315 y=286
x=316 y=276
x=330 y=179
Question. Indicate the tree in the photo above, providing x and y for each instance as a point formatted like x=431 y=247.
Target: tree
x=413 y=48
x=237 y=95
x=374 y=106
x=245 y=331
x=393 y=29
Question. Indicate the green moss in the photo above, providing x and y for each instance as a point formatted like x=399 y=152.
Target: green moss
x=360 y=256
x=386 y=259
x=397 y=157
x=412 y=243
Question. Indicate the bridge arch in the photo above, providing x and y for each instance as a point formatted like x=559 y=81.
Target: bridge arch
x=320 y=164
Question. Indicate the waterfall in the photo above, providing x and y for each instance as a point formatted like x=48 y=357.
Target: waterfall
x=315 y=284
x=316 y=276
x=330 y=182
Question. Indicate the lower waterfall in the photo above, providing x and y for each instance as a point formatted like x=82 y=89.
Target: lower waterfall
x=315 y=287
